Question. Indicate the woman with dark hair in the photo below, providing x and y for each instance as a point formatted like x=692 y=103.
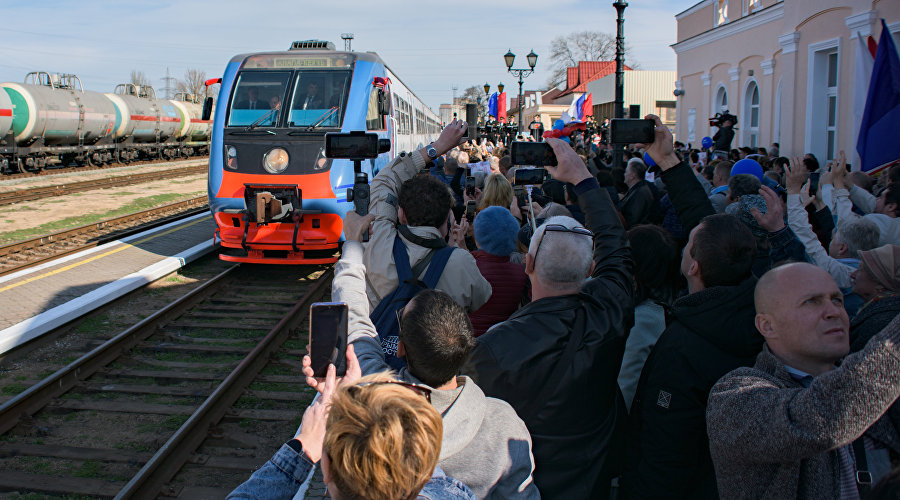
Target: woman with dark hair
x=656 y=283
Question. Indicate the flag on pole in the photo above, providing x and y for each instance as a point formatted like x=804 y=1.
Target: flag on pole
x=492 y=105
x=579 y=108
x=572 y=114
x=501 y=106
x=877 y=143
x=865 y=60
x=587 y=109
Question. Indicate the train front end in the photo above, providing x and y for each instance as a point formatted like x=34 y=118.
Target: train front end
x=275 y=197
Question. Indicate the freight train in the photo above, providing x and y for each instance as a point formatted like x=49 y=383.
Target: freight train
x=50 y=120
x=274 y=195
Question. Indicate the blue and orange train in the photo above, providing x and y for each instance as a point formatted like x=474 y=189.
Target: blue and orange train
x=274 y=195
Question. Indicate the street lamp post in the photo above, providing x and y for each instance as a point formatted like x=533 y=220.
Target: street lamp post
x=509 y=58
x=620 y=73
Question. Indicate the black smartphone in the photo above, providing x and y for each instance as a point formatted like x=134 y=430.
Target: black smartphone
x=538 y=154
x=530 y=176
x=814 y=182
x=328 y=337
x=470 y=186
x=470 y=210
x=632 y=130
x=519 y=193
x=353 y=146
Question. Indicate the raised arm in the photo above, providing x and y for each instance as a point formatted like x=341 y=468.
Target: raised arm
x=685 y=191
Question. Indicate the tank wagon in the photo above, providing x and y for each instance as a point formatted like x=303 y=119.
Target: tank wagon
x=50 y=120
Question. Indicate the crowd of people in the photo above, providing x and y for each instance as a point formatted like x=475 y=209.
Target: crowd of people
x=700 y=327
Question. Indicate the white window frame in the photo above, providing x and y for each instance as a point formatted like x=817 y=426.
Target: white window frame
x=750 y=132
x=756 y=6
x=717 y=7
x=716 y=106
x=776 y=122
x=817 y=95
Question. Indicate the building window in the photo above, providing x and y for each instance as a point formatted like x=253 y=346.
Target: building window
x=822 y=106
x=721 y=12
x=721 y=102
x=753 y=6
x=831 y=105
x=666 y=112
x=751 y=110
x=373 y=117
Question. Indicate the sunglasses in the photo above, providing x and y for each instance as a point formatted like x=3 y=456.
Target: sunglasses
x=559 y=228
x=421 y=390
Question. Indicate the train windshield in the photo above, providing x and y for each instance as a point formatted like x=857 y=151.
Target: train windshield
x=319 y=98
x=256 y=94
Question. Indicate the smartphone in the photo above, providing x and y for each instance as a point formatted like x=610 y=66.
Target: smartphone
x=328 y=337
x=351 y=146
x=530 y=176
x=470 y=186
x=470 y=210
x=814 y=183
x=539 y=154
x=632 y=130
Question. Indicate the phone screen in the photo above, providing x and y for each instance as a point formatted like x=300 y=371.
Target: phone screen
x=328 y=337
x=539 y=154
x=470 y=210
x=351 y=145
x=631 y=130
x=470 y=186
x=530 y=176
x=814 y=182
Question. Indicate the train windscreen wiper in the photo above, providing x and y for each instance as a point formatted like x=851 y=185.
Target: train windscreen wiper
x=321 y=119
x=260 y=120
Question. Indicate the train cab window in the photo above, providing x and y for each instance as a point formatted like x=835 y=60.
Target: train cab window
x=374 y=120
x=319 y=98
x=254 y=95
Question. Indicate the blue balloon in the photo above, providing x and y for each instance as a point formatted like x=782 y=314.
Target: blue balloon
x=559 y=124
x=706 y=142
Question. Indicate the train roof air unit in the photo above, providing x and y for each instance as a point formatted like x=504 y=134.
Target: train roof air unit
x=312 y=44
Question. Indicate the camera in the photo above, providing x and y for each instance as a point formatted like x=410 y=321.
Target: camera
x=356 y=145
x=631 y=131
x=539 y=154
x=721 y=118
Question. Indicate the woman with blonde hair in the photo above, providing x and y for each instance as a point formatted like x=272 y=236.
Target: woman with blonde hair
x=497 y=192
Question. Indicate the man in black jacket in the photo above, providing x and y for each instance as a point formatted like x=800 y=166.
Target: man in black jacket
x=711 y=332
x=556 y=360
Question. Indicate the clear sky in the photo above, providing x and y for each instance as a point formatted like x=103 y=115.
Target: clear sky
x=431 y=45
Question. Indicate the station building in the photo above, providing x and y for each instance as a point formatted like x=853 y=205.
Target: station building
x=784 y=67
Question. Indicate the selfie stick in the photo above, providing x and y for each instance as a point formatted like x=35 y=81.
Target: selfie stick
x=359 y=193
x=531 y=208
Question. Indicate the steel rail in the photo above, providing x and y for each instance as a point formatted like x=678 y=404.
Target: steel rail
x=10 y=197
x=39 y=395
x=151 y=480
x=48 y=171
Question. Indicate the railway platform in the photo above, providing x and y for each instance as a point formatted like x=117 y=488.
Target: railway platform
x=39 y=299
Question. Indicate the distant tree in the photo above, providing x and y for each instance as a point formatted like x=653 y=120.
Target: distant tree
x=472 y=95
x=139 y=78
x=567 y=51
x=192 y=83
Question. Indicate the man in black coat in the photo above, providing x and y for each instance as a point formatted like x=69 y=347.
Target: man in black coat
x=711 y=332
x=556 y=360
x=312 y=99
x=637 y=205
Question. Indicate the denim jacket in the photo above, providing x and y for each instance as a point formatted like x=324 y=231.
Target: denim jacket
x=287 y=470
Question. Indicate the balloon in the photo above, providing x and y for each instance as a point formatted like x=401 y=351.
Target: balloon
x=558 y=124
x=748 y=166
x=706 y=142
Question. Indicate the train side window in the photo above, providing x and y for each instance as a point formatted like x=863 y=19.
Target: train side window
x=374 y=120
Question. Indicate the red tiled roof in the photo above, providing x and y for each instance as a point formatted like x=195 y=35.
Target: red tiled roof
x=577 y=77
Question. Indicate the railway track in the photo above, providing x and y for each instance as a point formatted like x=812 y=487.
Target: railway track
x=47 y=171
x=184 y=404
x=27 y=253
x=10 y=197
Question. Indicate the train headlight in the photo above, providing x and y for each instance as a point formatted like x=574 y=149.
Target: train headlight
x=231 y=157
x=275 y=161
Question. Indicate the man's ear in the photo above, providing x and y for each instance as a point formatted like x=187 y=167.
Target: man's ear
x=842 y=248
x=694 y=270
x=765 y=324
x=401 y=216
x=401 y=349
x=529 y=264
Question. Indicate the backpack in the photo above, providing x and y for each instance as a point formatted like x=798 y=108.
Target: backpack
x=384 y=317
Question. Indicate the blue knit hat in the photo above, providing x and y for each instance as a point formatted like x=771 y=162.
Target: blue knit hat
x=748 y=166
x=496 y=231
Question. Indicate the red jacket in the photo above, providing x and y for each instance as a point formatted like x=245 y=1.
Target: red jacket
x=509 y=284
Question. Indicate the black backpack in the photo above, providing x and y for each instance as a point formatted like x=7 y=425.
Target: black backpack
x=384 y=317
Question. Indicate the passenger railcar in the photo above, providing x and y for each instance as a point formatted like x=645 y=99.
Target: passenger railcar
x=274 y=195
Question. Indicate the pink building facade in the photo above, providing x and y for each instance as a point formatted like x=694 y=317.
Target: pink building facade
x=784 y=67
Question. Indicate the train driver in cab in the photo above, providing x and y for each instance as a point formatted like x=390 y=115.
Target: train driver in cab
x=312 y=99
x=253 y=101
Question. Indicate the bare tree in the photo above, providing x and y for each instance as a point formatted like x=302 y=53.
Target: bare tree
x=474 y=95
x=567 y=51
x=192 y=83
x=139 y=78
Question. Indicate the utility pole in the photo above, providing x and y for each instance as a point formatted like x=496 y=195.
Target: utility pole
x=168 y=88
x=618 y=157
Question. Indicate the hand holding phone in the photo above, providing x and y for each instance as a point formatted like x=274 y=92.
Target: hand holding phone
x=328 y=337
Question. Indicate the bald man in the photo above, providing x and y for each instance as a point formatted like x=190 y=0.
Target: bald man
x=795 y=425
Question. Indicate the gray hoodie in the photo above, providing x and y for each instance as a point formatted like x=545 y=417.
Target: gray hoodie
x=485 y=444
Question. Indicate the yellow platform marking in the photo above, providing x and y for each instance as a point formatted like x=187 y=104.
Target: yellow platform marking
x=123 y=246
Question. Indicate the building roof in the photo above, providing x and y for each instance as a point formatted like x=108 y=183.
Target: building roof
x=577 y=77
